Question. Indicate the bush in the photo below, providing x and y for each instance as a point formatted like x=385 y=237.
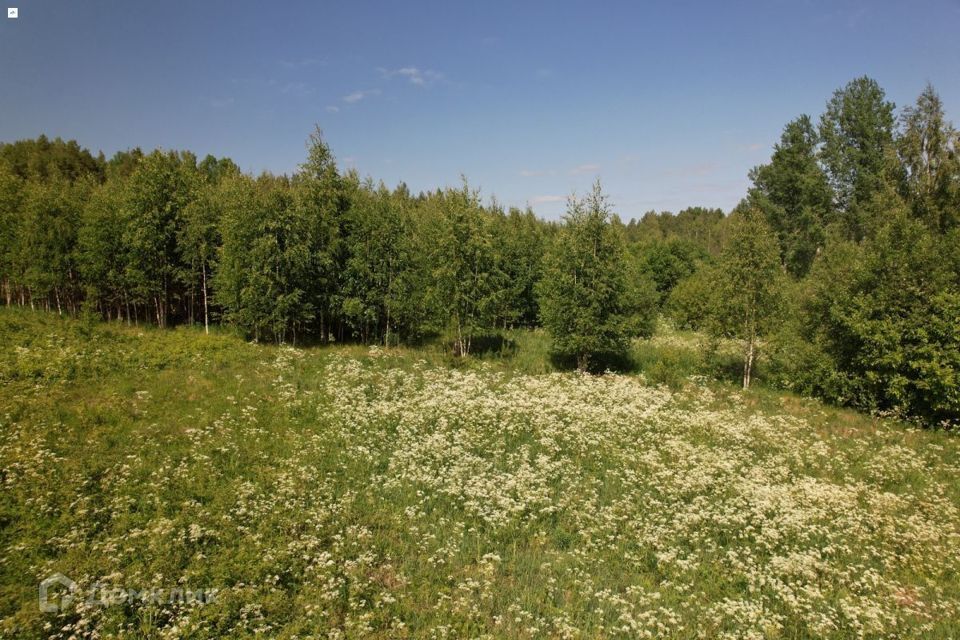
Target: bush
x=885 y=316
x=689 y=302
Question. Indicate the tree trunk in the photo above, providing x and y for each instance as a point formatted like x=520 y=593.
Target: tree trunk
x=583 y=361
x=206 y=308
x=460 y=351
x=748 y=363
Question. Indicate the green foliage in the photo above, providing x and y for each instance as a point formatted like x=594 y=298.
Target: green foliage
x=699 y=226
x=266 y=265
x=155 y=197
x=929 y=148
x=886 y=313
x=317 y=218
x=375 y=284
x=668 y=262
x=857 y=132
x=794 y=195
x=324 y=256
x=745 y=295
x=41 y=160
x=689 y=304
x=591 y=304
x=522 y=242
x=467 y=281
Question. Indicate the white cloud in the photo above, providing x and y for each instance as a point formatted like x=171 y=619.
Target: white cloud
x=303 y=63
x=332 y=108
x=357 y=96
x=419 y=77
x=584 y=168
x=531 y=173
x=297 y=89
x=546 y=199
x=692 y=170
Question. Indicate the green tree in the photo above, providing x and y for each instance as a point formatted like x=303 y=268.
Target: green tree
x=520 y=240
x=668 y=262
x=858 y=148
x=795 y=196
x=11 y=187
x=102 y=253
x=886 y=313
x=265 y=265
x=377 y=258
x=321 y=202
x=929 y=151
x=45 y=255
x=591 y=300
x=198 y=240
x=467 y=283
x=746 y=291
x=157 y=192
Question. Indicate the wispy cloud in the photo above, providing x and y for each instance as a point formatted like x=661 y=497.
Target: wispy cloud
x=692 y=170
x=415 y=75
x=543 y=73
x=546 y=199
x=584 y=168
x=357 y=96
x=532 y=173
x=218 y=103
x=297 y=89
x=303 y=63
x=332 y=108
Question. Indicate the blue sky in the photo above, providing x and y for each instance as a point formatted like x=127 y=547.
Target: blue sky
x=668 y=103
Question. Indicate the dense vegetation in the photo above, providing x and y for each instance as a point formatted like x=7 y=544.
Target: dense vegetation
x=364 y=492
x=841 y=267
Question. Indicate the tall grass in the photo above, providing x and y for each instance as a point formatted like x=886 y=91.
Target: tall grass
x=356 y=492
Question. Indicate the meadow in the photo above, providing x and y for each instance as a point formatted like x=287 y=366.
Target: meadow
x=364 y=492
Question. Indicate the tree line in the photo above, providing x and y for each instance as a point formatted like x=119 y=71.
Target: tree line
x=840 y=266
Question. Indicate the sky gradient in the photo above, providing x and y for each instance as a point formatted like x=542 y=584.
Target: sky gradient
x=670 y=104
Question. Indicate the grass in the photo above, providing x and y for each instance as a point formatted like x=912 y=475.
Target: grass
x=350 y=492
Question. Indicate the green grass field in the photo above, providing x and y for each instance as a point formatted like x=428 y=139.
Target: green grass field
x=353 y=492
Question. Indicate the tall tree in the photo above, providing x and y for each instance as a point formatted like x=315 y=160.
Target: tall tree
x=929 y=150
x=467 y=281
x=102 y=254
x=157 y=192
x=746 y=290
x=795 y=195
x=589 y=301
x=521 y=243
x=858 y=149
x=377 y=257
x=198 y=240
x=320 y=202
x=11 y=187
x=265 y=265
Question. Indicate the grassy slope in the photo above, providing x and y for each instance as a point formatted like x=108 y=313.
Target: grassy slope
x=353 y=492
